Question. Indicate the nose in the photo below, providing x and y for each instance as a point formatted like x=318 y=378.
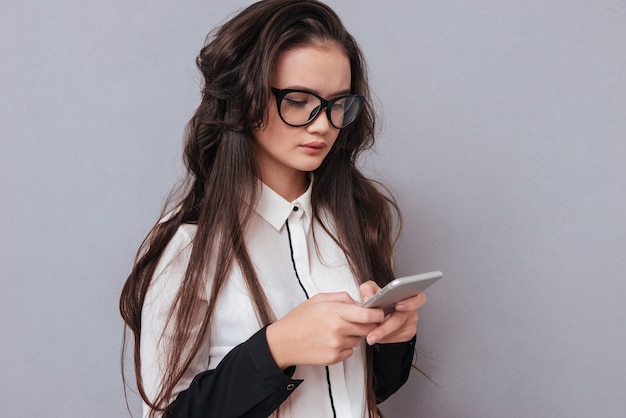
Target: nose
x=320 y=124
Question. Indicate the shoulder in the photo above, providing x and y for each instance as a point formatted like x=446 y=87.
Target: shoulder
x=175 y=256
x=179 y=243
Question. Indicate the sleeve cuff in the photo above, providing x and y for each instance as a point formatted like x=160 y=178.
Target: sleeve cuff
x=266 y=367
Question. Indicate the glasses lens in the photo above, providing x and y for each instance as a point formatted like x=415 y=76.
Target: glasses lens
x=345 y=110
x=299 y=108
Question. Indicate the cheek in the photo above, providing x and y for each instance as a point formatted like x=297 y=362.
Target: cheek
x=273 y=124
x=273 y=134
x=334 y=137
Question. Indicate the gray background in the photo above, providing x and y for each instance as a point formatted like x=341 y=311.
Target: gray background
x=504 y=139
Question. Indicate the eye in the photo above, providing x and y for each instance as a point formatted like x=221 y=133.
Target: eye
x=297 y=100
x=339 y=104
x=293 y=102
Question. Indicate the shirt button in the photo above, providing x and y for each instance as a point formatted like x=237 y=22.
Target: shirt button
x=291 y=386
x=295 y=208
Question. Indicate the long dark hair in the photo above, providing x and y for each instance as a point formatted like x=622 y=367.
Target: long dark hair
x=237 y=62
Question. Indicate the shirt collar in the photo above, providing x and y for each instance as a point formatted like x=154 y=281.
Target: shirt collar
x=276 y=210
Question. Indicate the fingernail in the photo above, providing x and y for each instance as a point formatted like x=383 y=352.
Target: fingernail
x=400 y=307
x=371 y=340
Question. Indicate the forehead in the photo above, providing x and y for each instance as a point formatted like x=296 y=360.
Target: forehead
x=323 y=68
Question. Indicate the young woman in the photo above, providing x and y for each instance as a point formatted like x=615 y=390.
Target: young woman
x=244 y=298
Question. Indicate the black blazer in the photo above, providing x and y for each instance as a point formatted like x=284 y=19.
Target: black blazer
x=248 y=383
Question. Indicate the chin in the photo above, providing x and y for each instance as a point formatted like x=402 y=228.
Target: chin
x=309 y=167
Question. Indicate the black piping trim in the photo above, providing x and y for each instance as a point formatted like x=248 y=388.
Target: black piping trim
x=293 y=262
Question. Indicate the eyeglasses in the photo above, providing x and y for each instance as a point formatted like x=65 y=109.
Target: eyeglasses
x=301 y=107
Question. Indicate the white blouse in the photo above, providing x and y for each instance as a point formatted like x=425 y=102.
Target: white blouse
x=275 y=250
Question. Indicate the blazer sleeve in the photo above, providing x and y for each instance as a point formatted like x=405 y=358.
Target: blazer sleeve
x=246 y=383
x=392 y=365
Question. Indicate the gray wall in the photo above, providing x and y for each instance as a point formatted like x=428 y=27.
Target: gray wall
x=504 y=138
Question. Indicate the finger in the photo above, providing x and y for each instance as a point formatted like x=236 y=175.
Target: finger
x=353 y=341
x=358 y=331
x=334 y=357
x=344 y=354
x=411 y=304
x=368 y=289
x=342 y=297
x=399 y=326
x=358 y=315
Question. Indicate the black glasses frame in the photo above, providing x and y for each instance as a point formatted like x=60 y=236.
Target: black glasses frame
x=325 y=104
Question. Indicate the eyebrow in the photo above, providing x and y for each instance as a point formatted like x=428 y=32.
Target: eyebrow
x=335 y=94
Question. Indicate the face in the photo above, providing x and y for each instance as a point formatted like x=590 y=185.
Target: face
x=285 y=153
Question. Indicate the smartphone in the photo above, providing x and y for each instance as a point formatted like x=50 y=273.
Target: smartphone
x=399 y=289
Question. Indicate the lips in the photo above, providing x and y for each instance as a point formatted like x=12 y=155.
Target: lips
x=317 y=145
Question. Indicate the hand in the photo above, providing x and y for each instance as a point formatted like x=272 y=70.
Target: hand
x=401 y=325
x=321 y=331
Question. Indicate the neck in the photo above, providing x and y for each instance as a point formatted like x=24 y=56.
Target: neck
x=290 y=188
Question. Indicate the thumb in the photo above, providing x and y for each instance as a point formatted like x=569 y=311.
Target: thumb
x=367 y=290
x=343 y=297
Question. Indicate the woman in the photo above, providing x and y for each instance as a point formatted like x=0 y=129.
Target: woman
x=243 y=297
